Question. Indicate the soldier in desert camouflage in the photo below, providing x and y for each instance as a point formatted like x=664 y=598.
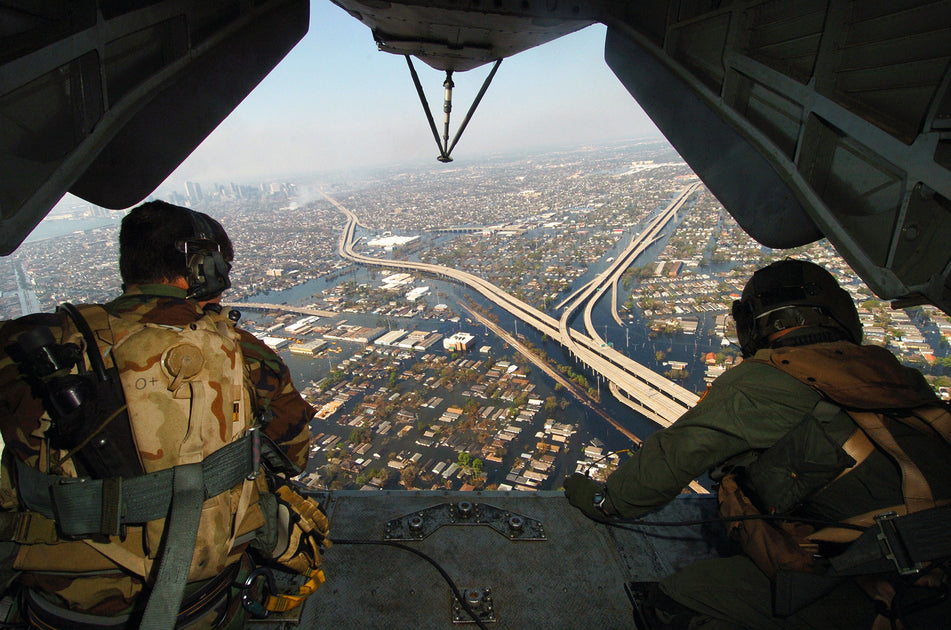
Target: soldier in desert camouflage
x=192 y=386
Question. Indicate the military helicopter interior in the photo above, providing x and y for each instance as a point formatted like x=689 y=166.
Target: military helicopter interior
x=806 y=120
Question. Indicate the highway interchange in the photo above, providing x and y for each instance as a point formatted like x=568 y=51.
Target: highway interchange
x=642 y=389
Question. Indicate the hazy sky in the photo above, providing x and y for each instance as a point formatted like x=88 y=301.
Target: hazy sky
x=335 y=101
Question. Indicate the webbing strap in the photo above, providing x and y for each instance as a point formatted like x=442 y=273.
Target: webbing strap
x=858 y=447
x=41 y=613
x=284 y=602
x=188 y=494
x=844 y=535
x=915 y=539
x=915 y=488
x=938 y=419
x=27 y=528
x=212 y=594
x=83 y=507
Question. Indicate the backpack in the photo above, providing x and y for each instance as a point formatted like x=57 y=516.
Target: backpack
x=190 y=421
x=874 y=389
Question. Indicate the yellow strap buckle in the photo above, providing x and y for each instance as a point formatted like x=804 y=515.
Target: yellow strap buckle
x=274 y=601
x=285 y=602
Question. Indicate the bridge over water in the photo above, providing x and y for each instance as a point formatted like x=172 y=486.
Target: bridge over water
x=264 y=306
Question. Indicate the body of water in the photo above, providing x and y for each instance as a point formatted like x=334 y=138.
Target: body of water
x=52 y=228
x=635 y=343
x=632 y=339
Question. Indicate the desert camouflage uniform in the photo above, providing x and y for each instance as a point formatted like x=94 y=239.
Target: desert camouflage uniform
x=47 y=567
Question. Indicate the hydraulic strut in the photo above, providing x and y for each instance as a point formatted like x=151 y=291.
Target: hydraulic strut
x=446 y=147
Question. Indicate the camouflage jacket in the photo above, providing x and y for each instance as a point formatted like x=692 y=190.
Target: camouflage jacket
x=272 y=397
x=162 y=304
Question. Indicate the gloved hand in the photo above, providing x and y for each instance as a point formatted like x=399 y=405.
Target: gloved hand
x=580 y=491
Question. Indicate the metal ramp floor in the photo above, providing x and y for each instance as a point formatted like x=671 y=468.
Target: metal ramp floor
x=525 y=560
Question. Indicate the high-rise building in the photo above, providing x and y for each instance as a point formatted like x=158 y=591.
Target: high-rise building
x=176 y=198
x=194 y=191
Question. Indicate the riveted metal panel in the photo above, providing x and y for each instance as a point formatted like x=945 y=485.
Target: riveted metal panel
x=575 y=578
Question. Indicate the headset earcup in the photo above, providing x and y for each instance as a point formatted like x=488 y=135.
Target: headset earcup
x=211 y=277
x=743 y=318
x=222 y=272
x=208 y=272
x=196 y=274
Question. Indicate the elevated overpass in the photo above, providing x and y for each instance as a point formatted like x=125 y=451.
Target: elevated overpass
x=596 y=289
x=264 y=306
x=649 y=393
x=457 y=229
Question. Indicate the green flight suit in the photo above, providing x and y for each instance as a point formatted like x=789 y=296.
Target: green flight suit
x=751 y=407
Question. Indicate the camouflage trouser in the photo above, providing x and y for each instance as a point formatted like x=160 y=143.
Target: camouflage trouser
x=220 y=608
x=732 y=593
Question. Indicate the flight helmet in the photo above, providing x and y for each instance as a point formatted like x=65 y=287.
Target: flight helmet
x=794 y=293
x=208 y=270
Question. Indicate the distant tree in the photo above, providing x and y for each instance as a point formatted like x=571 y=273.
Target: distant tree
x=332 y=379
x=361 y=435
x=408 y=475
x=471 y=407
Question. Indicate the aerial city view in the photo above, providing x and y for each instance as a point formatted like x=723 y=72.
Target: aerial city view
x=425 y=313
x=510 y=314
